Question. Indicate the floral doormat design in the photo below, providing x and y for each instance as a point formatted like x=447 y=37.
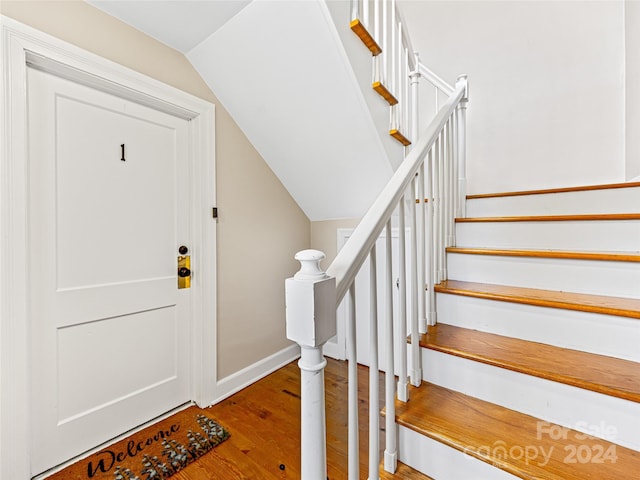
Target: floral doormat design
x=154 y=453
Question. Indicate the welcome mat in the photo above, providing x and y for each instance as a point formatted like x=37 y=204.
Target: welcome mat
x=156 y=452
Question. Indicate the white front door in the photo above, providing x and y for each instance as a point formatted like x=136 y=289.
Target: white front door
x=108 y=209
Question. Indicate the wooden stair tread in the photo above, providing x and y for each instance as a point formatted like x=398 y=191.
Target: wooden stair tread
x=553 y=218
x=400 y=137
x=556 y=190
x=479 y=428
x=598 y=373
x=623 y=307
x=603 y=256
x=384 y=92
x=363 y=34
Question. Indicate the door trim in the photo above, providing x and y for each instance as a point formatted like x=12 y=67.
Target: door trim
x=23 y=47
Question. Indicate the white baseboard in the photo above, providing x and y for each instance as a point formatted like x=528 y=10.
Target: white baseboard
x=332 y=349
x=248 y=375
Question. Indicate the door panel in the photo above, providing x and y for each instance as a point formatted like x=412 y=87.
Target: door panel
x=110 y=328
x=89 y=167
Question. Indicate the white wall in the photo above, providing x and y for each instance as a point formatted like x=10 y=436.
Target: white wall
x=632 y=88
x=546 y=87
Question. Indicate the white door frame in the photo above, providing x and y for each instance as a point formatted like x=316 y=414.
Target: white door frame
x=23 y=46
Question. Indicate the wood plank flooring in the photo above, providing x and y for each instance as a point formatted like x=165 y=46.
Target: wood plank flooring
x=264 y=421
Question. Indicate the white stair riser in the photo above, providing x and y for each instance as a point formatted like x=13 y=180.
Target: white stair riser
x=594 y=235
x=614 y=419
x=615 y=200
x=618 y=279
x=442 y=462
x=608 y=335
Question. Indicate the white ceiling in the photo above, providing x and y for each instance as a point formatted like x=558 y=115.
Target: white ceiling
x=180 y=24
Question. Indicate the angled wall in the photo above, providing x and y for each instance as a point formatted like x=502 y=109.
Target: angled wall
x=280 y=69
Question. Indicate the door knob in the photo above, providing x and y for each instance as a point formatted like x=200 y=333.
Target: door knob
x=184 y=272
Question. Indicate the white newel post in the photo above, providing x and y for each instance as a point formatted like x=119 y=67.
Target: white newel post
x=310 y=298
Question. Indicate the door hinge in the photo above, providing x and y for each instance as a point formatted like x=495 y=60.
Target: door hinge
x=214 y=212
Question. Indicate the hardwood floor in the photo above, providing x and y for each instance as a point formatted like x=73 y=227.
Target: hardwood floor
x=265 y=430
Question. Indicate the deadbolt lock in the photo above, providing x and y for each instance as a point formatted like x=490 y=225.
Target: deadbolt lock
x=184 y=268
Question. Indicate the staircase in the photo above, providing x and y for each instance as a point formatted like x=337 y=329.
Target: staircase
x=533 y=370
x=524 y=349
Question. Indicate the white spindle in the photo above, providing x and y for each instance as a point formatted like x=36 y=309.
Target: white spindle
x=365 y=15
x=376 y=20
x=456 y=168
x=436 y=211
x=355 y=9
x=352 y=399
x=384 y=56
x=401 y=338
x=393 y=49
x=391 y=448
x=415 y=97
x=374 y=387
x=416 y=371
x=447 y=185
x=422 y=306
x=441 y=217
x=452 y=183
x=430 y=243
x=401 y=78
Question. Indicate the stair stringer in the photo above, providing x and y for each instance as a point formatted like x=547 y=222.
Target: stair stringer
x=361 y=61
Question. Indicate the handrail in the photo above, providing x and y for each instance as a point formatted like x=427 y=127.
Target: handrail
x=434 y=79
x=433 y=168
x=406 y=39
x=347 y=263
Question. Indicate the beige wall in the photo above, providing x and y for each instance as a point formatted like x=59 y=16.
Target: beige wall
x=260 y=226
